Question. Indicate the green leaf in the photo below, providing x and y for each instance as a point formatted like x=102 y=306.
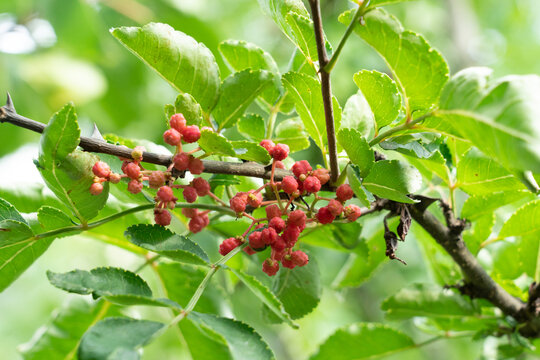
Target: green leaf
x=178 y=58
x=358 y=150
x=337 y=236
x=59 y=339
x=52 y=218
x=251 y=151
x=382 y=95
x=478 y=205
x=480 y=230
x=353 y=175
x=478 y=174
x=103 y=281
x=529 y=256
x=189 y=107
x=278 y=10
x=392 y=179
x=358 y=115
x=525 y=221
x=435 y=163
x=303 y=35
x=299 y=289
x=252 y=126
x=265 y=295
x=14 y=232
x=291 y=132
x=426 y=300
x=213 y=143
x=164 y=242
x=237 y=92
x=8 y=212
x=116 y=333
x=242 y=340
x=203 y=342
x=466 y=89
x=67 y=171
x=419 y=69
x=363 y=341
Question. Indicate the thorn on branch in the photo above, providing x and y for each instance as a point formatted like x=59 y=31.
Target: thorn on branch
x=9 y=103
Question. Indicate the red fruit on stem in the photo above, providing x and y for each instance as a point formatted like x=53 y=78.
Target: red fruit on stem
x=101 y=169
x=181 y=161
x=272 y=211
x=268 y=145
x=335 y=207
x=312 y=184
x=279 y=244
x=254 y=199
x=277 y=255
x=270 y=267
x=165 y=194
x=290 y=235
x=287 y=262
x=133 y=171
x=162 y=217
x=300 y=258
x=96 y=188
x=269 y=236
x=115 y=178
x=352 y=212
x=289 y=184
x=156 y=179
x=189 y=212
x=256 y=241
x=135 y=186
x=280 y=152
x=248 y=250
x=191 y=133
x=228 y=245
x=197 y=223
x=178 y=122
x=190 y=194
x=297 y=218
x=301 y=167
x=277 y=224
x=344 y=192
x=280 y=165
x=238 y=203
x=324 y=216
x=172 y=137
x=195 y=166
x=201 y=185
x=322 y=174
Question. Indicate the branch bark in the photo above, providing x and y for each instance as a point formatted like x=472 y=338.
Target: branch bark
x=326 y=89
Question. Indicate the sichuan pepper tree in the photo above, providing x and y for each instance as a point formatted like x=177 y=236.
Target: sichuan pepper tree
x=398 y=152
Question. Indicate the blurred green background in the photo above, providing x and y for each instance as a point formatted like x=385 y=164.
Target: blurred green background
x=54 y=51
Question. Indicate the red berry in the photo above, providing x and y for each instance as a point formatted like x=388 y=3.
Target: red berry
x=172 y=137
x=191 y=133
x=277 y=255
x=165 y=194
x=279 y=165
x=279 y=245
x=270 y=267
x=352 y=212
x=254 y=199
x=256 y=241
x=277 y=224
x=269 y=236
x=344 y=192
x=96 y=188
x=228 y=245
x=190 y=194
x=181 y=161
x=178 y=122
x=300 y=258
x=290 y=235
x=248 y=250
x=289 y=184
x=198 y=223
x=238 y=203
x=189 y=212
x=301 y=167
x=133 y=171
x=272 y=211
x=280 y=152
x=322 y=174
x=297 y=218
x=196 y=166
x=268 y=145
x=101 y=169
x=335 y=207
x=201 y=185
x=135 y=186
x=287 y=262
x=115 y=178
x=162 y=217
x=312 y=184
x=324 y=216
x=156 y=179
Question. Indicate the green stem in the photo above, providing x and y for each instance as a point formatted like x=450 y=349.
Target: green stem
x=392 y=131
x=357 y=15
x=273 y=115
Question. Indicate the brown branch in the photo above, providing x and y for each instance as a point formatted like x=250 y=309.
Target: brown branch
x=326 y=89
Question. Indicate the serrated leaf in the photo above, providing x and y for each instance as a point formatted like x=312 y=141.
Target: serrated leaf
x=525 y=221
x=291 y=132
x=237 y=92
x=363 y=341
x=478 y=205
x=251 y=151
x=337 y=236
x=303 y=35
x=189 y=107
x=419 y=69
x=426 y=300
x=113 y=333
x=183 y=62
x=435 y=163
x=479 y=231
x=358 y=149
x=213 y=143
x=466 y=88
x=478 y=174
x=358 y=115
x=242 y=340
x=392 y=179
x=9 y=212
x=52 y=218
x=382 y=95
x=353 y=175
x=298 y=289
x=278 y=10
x=14 y=232
x=203 y=342
x=67 y=171
x=164 y=242
x=265 y=295
x=252 y=126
